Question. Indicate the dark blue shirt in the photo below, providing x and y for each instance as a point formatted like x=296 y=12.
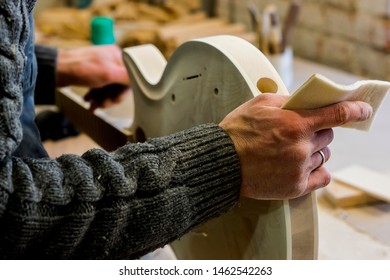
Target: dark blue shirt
x=31 y=145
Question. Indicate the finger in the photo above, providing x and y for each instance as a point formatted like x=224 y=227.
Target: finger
x=111 y=91
x=319 y=178
x=123 y=96
x=96 y=95
x=104 y=104
x=120 y=75
x=107 y=103
x=339 y=114
x=322 y=138
x=319 y=158
x=93 y=106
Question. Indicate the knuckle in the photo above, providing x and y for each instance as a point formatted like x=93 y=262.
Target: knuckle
x=342 y=113
x=265 y=98
x=302 y=153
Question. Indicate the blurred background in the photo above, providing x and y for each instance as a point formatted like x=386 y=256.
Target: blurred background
x=352 y=35
x=345 y=40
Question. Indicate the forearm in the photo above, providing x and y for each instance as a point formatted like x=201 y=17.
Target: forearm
x=121 y=204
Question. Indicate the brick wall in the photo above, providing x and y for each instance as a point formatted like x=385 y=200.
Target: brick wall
x=353 y=35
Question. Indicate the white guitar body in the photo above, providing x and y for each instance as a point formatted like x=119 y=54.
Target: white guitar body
x=202 y=82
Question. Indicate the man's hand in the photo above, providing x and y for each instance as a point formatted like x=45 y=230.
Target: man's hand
x=99 y=68
x=278 y=149
x=92 y=67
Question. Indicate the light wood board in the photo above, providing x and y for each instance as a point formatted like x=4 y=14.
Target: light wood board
x=343 y=195
x=369 y=181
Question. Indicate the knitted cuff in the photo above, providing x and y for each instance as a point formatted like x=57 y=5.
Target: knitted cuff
x=210 y=168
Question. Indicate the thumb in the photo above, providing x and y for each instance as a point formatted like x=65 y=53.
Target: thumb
x=339 y=114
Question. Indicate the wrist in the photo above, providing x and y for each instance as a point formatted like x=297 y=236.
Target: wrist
x=65 y=70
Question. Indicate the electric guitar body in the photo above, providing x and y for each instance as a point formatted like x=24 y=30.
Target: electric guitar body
x=202 y=82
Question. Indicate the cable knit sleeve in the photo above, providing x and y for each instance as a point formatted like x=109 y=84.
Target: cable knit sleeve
x=103 y=205
x=14 y=35
x=117 y=205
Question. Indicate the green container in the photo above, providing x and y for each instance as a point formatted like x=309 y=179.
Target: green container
x=102 y=31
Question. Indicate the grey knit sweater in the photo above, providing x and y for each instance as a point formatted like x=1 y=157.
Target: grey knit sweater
x=102 y=205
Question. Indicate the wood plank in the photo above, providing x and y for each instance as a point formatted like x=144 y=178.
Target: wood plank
x=172 y=30
x=369 y=181
x=171 y=44
x=344 y=195
x=107 y=130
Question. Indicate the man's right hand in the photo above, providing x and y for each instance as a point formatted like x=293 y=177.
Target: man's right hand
x=278 y=148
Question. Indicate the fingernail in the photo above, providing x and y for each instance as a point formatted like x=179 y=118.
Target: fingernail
x=367 y=111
